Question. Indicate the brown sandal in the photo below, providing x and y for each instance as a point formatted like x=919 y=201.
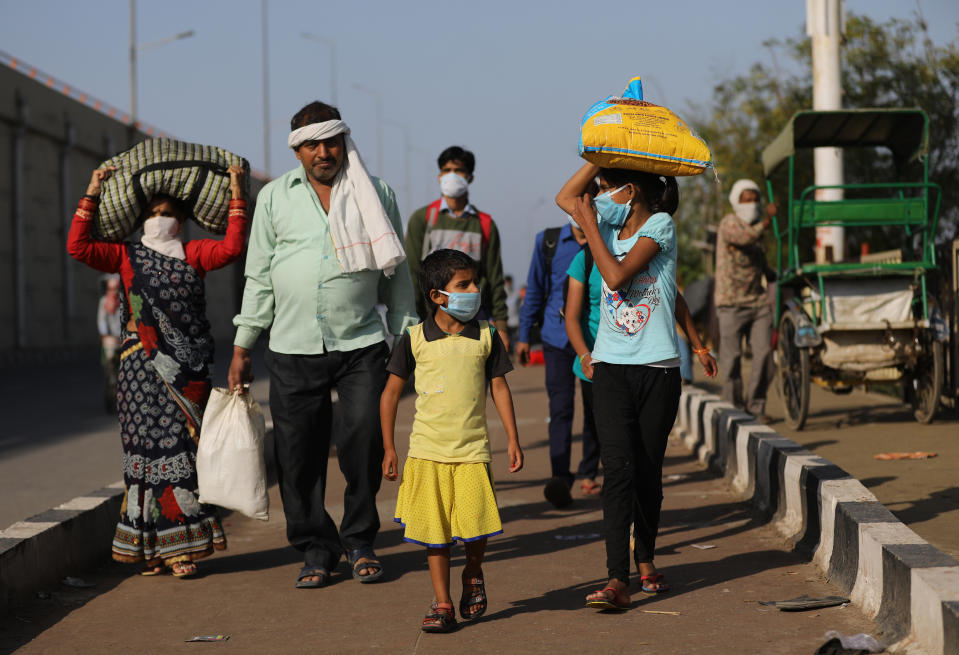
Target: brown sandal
x=439 y=619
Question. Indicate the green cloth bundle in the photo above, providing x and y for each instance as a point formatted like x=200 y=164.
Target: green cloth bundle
x=195 y=174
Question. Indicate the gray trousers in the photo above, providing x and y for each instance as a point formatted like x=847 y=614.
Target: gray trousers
x=756 y=324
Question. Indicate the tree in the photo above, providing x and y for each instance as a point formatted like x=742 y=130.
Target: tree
x=891 y=64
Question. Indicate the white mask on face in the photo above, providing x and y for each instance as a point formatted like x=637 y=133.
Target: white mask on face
x=453 y=185
x=162 y=234
x=748 y=212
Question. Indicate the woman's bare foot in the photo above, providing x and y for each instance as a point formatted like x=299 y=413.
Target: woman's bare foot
x=615 y=595
x=184 y=569
x=650 y=580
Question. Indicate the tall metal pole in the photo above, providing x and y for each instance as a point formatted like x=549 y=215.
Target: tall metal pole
x=266 y=87
x=407 y=188
x=133 y=63
x=332 y=45
x=825 y=23
x=379 y=123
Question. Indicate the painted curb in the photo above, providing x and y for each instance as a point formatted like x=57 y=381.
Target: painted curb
x=36 y=553
x=908 y=587
x=75 y=536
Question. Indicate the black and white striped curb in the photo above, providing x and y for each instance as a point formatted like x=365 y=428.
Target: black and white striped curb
x=37 y=552
x=75 y=537
x=907 y=586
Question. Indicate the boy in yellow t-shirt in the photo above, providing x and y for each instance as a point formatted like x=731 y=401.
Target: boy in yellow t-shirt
x=447 y=492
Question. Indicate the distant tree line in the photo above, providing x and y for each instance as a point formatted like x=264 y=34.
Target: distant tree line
x=889 y=64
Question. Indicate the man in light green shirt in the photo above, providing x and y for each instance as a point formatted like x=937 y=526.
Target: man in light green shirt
x=325 y=333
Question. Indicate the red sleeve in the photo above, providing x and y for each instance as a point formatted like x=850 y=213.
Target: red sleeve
x=102 y=256
x=211 y=254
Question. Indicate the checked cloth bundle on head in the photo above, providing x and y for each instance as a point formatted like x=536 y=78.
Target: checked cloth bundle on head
x=195 y=174
x=363 y=235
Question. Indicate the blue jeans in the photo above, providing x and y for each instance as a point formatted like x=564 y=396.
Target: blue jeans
x=560 y=386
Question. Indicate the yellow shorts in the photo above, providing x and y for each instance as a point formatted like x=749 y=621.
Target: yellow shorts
x=440 y=503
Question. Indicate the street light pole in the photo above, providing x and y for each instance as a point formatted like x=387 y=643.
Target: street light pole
x=428 y=181
x=379 y=123
x=134 y=48
x=133 y=63
x=332 y=45
x=407 y=189
x=266 y=88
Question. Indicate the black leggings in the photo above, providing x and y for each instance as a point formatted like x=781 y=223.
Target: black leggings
x=634 y=408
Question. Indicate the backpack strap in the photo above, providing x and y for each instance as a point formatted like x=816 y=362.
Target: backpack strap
x=548 y=246
x=432 y=211
x=486 y=222
x=588 y=257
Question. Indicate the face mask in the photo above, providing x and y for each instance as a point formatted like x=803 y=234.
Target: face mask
x=162 y=233
x=610 y=212
x=462 y=306
x=161 y=228
x=748 y=212
x=452 y=185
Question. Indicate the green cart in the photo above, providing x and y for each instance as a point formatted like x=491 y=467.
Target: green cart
x=871 y=319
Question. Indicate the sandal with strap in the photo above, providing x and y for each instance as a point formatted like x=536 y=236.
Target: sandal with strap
x=473 y=602
x=607 y=599
x=149 y=571
x=657 y=583
x=370 y=562
x=184 y=569
x=312 y=572
x=439 y=619
x=590 y=487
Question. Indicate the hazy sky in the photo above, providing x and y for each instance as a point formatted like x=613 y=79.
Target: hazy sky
x=508 y=80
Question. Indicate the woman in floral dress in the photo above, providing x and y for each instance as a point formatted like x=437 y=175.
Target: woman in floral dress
x=164 y=379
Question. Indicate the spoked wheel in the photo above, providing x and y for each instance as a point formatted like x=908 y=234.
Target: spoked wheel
x=927 y=383
x=793 y=375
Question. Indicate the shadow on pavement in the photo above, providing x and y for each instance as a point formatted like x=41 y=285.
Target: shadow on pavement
x=924 y=509
x=683 y=578
x=25 y=621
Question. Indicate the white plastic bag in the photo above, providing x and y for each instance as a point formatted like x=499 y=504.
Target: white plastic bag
x=230 y=467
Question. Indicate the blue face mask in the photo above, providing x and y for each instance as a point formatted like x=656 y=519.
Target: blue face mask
x=462 y=306
x=610 y=212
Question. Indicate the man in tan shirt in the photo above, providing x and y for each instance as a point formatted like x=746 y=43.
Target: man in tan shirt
x=741 y=301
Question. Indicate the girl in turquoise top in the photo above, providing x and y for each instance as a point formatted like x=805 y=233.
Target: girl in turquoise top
x=635 y=360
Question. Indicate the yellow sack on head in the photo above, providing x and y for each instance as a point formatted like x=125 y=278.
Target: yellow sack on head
x=629 y=133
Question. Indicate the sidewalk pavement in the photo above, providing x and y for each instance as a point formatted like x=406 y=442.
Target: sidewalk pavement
x=537 y=575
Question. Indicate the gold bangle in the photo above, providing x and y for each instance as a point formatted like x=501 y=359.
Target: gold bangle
x=701 y=351
x=583 y=356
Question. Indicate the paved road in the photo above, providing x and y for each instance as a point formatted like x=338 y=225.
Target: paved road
x=537 y=575
x=57 y=442
x=849 y=430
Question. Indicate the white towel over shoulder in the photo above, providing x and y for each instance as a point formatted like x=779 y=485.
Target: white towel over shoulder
x=362 y=233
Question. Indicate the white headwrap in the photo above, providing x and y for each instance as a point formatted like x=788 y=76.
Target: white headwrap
x=363 y=235
x=747 y=213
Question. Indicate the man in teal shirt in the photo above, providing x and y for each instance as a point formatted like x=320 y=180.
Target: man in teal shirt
x=325 y=333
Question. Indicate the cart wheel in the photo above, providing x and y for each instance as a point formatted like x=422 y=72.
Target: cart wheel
x=927 y=384
x=793 y=374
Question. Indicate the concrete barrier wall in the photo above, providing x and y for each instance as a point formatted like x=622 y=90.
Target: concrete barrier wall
x=910 y=588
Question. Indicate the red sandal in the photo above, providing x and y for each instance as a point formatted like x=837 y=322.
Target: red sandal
x=439 y=619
